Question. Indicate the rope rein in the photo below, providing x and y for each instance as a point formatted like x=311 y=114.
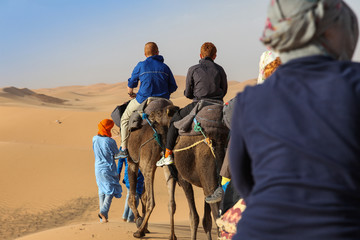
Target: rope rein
x=157 y=136
x=197 y=128
x=206 y=140
x=146 y=142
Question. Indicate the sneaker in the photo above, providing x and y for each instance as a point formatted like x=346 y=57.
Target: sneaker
x=216 y=196
x=165 y=161
x=122 y=154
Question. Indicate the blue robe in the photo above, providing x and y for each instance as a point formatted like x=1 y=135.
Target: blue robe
x=295 y=152
x=106 y=174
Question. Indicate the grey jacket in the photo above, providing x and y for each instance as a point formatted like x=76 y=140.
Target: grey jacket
x=206 y=80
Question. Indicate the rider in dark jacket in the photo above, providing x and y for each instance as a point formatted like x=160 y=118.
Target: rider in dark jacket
x=206 y=80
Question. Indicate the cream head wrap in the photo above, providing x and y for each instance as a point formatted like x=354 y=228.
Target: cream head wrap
x=298 y=28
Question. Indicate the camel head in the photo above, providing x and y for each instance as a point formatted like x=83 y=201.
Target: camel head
x=164 y=115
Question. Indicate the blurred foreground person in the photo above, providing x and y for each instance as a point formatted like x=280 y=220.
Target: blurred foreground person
x=232 y=205
x=295 y=139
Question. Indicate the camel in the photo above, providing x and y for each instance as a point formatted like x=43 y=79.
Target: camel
x=144 y=152
x=196 y=166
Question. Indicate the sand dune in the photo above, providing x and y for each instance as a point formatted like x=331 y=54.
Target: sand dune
x=98 y=97
x=25 y=94
x=47 y=179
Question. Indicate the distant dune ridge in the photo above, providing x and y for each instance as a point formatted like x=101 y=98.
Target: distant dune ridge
x=14 y=93
x=94 y=97
x=47 y=179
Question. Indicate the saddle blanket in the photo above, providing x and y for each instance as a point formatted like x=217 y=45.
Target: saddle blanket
x=208 y=113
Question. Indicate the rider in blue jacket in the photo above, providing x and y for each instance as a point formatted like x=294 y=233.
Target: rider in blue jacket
x=156 y=80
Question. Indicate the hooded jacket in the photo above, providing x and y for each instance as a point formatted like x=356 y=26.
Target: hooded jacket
x=155 y=77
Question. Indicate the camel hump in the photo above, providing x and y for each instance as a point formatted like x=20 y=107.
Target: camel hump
x=149 y=105
x=208 y=113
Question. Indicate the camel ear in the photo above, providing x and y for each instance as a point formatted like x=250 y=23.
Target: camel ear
x=152 y=116
x=171 y=111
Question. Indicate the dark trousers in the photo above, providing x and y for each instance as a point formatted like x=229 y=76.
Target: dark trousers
x=173 y=131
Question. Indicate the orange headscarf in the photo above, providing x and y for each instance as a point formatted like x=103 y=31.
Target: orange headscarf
x=105 y=127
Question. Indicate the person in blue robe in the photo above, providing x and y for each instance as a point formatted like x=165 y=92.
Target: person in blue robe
x=107 y=178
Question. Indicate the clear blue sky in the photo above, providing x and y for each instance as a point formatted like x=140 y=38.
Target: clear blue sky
x=50 y=43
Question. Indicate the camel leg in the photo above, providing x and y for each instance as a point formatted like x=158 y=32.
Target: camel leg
x=207 y=223
x=215 y=212
x=132 y=174
x=143 y=208
x=194 y=216
x=171 y=184
x=150 y=202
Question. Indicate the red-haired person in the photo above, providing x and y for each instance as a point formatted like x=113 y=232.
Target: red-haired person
x=206 y=80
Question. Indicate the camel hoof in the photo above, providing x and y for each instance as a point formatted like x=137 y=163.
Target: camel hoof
x=139 y=222
x=138 y=234
x=147 y=231
x=173 y=238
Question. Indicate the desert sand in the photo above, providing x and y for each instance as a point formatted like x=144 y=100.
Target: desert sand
x=47 y=181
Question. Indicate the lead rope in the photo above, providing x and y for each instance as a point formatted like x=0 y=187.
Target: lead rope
x=146 y=142
x=156 y=135
x=206 y=140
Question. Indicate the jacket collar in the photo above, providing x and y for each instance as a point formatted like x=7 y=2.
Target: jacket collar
x=205 y=59
x=157 y=58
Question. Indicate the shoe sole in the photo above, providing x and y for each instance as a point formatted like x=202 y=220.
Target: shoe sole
x=165 y=164
x=213 y=201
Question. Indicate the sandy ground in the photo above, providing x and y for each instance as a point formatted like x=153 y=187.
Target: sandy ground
x=47 y=181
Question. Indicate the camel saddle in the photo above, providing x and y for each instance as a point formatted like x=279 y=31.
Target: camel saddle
x=149 y=105
x=208 y=113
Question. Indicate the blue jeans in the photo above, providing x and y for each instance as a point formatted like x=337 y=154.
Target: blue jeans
x=128 y=214
x=105 y=202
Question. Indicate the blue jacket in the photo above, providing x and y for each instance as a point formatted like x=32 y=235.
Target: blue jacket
x=295 y=152
x=156 y=79
x=140 y=178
